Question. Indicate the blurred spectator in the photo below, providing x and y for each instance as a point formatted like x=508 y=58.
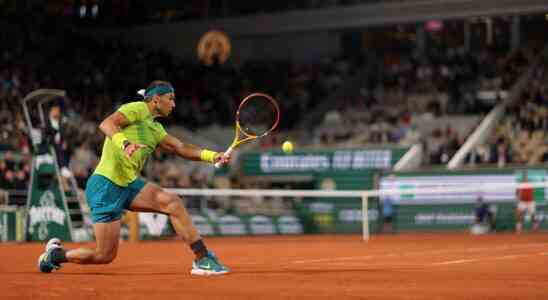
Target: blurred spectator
x=9 y=180
x=4 y=197
x=500 y=154
x=81 y=175
x=20 y=180
x=9 y=159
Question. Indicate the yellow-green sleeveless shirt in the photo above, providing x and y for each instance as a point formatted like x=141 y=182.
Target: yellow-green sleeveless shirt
x=142 y=129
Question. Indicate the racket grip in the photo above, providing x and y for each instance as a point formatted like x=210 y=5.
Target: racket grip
x=227 y=153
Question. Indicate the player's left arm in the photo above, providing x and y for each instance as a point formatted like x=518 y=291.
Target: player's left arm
x=188 y=151
x=112 y=126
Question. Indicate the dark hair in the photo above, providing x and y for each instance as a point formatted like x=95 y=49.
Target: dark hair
x=154 y=84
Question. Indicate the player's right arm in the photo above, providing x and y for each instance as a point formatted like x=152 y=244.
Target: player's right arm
x=112 y=126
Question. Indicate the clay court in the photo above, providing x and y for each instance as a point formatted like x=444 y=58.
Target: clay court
x=402 y=266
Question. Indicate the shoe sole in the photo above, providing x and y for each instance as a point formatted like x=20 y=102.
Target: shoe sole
x=199 y=272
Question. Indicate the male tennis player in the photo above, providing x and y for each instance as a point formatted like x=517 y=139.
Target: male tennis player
x=132 y=135
x=526 y=204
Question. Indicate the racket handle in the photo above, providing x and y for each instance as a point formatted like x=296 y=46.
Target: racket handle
x=227 y=153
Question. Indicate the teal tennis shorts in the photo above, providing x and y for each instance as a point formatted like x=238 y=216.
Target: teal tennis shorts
x=107 y=201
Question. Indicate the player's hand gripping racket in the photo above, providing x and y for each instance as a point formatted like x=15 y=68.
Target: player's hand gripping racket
x=257 y=116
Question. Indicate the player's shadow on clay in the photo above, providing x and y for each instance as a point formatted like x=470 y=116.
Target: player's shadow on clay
x=235 y=272
x=310 y=271
x=121 y=273
x=65 y=273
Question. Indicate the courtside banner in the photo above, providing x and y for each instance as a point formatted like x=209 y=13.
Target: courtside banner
x=11 y=223
x=507 y=193
x=301 y=163
x=449 y=182
x=433 y=217
x=47 y=212
x=341 y=215
x=157 y=226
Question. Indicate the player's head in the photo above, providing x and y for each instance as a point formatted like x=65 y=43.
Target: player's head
x=162 y=97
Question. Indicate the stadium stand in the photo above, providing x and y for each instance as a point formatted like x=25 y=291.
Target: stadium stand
x=403 y=97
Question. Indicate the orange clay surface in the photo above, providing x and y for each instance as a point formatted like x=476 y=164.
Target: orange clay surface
x=401 y=266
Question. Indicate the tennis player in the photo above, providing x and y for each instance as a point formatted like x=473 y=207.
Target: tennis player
x=132 y=134
x=526 y=204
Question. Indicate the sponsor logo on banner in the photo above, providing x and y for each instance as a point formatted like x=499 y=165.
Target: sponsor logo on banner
x=277 y=163
x=443 y=218
x=355 y=215
x=231 y=225
x=43 y=159
x=289 y=225
x=321 y=207
x=154 y=223
x=322 y=214
x=203 y=225
x=261 y=225
x=338 y=160
x=45 y=213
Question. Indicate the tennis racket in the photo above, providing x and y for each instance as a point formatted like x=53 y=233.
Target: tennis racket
x=258 y=114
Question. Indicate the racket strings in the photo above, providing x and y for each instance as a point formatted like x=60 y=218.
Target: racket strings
x=257 y=116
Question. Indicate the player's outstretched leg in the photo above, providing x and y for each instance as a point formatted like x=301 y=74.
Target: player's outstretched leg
x=153 y=199
x=107 y=236
x=48 y=260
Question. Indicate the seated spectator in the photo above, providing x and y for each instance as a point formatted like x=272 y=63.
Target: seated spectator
x=8 y=180
x=4 y=197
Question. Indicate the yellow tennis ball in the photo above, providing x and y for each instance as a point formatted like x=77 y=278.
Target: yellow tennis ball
x=287 y=147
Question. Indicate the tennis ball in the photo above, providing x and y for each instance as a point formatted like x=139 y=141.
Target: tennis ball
x=287 y=147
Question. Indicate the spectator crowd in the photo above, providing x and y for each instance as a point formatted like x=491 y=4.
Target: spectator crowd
x=384 y=97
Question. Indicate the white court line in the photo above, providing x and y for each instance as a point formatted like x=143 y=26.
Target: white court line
x=246 y=263
x=478 y=249
x=430 y=252
x=507 y=257
x=372 y=264
x=452 y=262
x=331 y=259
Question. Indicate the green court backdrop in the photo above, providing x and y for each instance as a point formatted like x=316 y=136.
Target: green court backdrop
x=47 y=212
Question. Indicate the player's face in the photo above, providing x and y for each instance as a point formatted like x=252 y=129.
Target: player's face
x=166 y=104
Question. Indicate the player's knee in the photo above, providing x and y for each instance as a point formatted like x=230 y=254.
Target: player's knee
x=174 y=205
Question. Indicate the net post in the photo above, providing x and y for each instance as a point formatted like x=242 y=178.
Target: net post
x=365 y=217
